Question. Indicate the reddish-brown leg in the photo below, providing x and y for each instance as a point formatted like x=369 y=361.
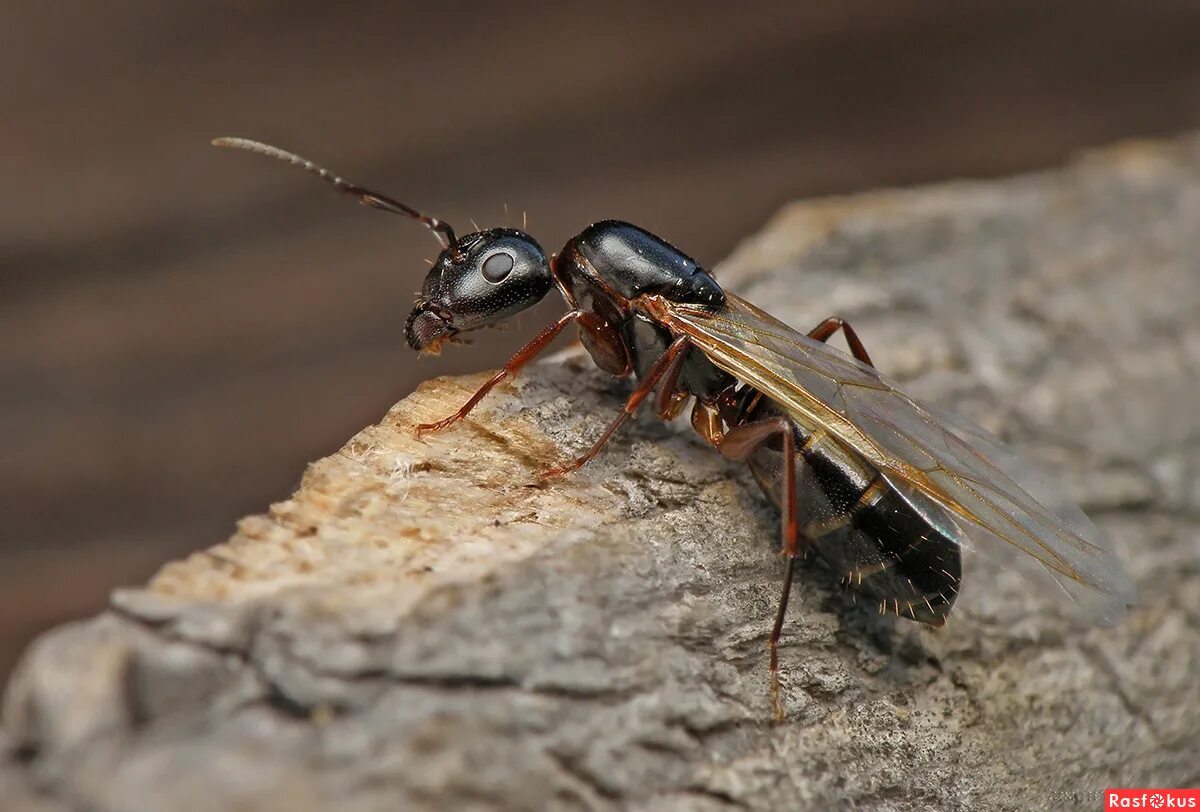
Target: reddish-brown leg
x=523 y=356
x=738 y=444
x=706 y=420
x=669 y=401
x=831 y=325
x=645 y=386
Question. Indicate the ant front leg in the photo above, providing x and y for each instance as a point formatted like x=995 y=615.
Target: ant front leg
x=524 y=355
x=831 y=325
x=739 y=444
x=671 y=399
x=665 y=368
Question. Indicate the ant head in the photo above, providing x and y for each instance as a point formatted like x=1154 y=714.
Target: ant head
x=481 y=280
x=477 y=281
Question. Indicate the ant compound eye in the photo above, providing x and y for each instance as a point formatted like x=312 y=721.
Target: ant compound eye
x=497 y=266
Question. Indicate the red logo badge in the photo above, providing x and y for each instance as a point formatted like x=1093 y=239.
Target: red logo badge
x=1151 y=799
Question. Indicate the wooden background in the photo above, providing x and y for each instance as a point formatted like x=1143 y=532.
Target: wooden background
x=182 y=328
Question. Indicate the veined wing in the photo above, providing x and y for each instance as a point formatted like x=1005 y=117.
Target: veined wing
x=999 y=502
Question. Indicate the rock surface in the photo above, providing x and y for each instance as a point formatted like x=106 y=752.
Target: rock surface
x=422 y=627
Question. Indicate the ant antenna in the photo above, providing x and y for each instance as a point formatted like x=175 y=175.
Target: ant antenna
x=440 y=228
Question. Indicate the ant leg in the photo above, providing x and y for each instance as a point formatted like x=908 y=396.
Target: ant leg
x=664 y=364
x=738 y=444
x=670 y=400
x=522 y=357
x=831 y=325
x=706 y=421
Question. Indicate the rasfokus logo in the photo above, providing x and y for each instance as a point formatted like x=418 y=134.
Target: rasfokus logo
x=1151 y=799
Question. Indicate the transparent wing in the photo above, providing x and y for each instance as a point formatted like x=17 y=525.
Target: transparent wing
x=998 y=502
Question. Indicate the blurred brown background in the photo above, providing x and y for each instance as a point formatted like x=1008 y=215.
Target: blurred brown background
x=184 y=328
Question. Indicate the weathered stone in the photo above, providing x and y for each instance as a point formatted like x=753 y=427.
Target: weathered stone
x=423 y=626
